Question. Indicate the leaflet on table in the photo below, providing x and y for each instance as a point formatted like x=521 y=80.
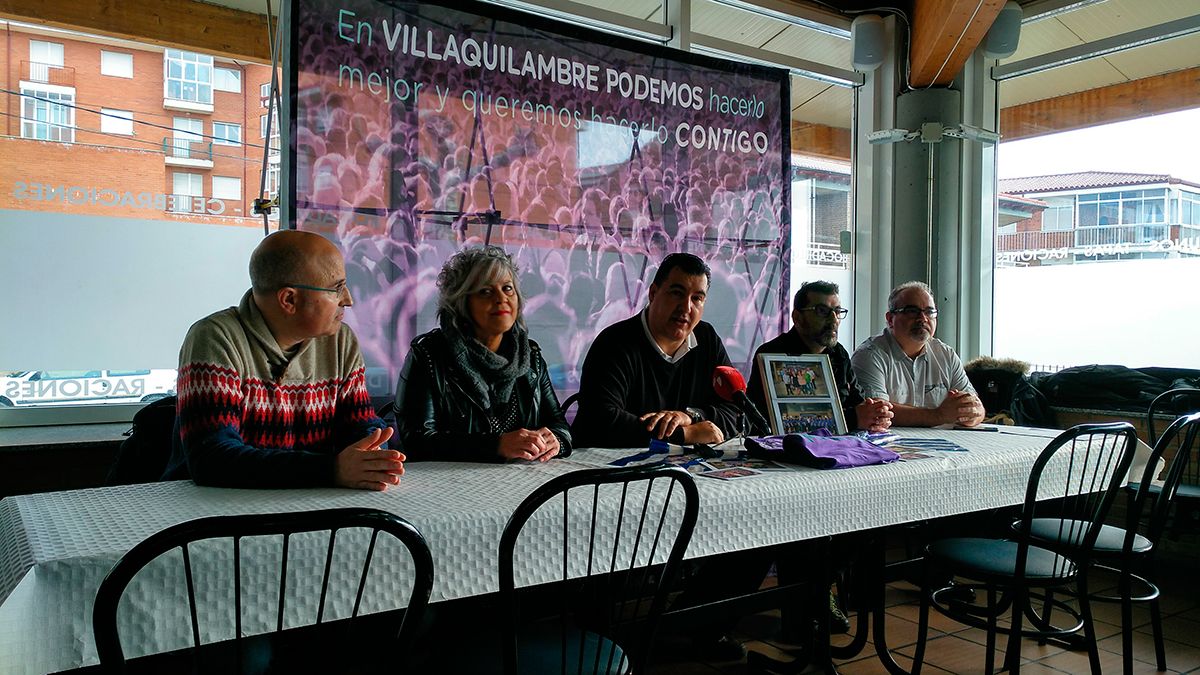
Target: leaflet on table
x=902 y=444
x=738 y=468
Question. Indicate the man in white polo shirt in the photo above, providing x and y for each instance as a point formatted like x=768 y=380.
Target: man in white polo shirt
x=919 y=374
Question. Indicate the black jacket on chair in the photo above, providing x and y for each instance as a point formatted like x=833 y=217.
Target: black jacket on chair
x=438 y=419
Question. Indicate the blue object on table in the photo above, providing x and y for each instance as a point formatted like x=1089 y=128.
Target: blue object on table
x=924 y=444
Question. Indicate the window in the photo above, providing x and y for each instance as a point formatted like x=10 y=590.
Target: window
x=188 y=76
x=188 y=136
x=227 y=79
x=47 y=53
x=1189 y=205
x=1059 y=216
x=227 y=187
x=43 y=115
x=108 y=198
x=186 y=186
x=44 y=57
x=264 y=93
x=116 y=64
x=116 y=121
x=273 y=118
x=226 y=133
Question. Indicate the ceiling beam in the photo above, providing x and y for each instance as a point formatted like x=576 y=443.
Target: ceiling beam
x=187 y=24
x=820 y=140
x=1155 y=95
x=944 y=34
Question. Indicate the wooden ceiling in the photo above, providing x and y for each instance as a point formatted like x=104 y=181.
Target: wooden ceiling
x=1154 y=78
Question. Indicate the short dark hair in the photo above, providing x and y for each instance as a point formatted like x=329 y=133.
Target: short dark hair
x=818 y=287
x=690 y=264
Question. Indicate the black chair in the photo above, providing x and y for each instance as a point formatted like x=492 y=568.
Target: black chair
x=1176 y=402
x=1130 y=555
x=567 y=403
x=1071 y=487
x=621 y=534
x=350 y=546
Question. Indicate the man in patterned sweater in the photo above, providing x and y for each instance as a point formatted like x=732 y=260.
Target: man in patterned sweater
x=272 y=393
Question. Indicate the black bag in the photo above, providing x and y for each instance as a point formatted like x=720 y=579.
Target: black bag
x=143 y=455
x=1029 y=407
x=1104 y=387
x=995 y=388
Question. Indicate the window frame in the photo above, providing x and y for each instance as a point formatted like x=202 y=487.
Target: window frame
x=108 y=56
x=109 y=118
x=220 y=139
x=48 y=89
x=216 y=194
x=35 y=58
x=237 y=77
x=200 y=62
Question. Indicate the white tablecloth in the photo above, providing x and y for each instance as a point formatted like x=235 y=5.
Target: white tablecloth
x=57 y=547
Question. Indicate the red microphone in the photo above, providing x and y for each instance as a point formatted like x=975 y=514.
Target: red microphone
x=731 y=386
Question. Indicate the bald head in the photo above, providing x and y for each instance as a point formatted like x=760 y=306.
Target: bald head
x=287 y=257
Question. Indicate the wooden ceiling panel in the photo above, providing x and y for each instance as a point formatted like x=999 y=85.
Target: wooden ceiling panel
x=1070 y=79
x=639 y=9
x=805 y=43
x=1163 y=57
x=198 y=26
x=1114 y=17
x=829 y=105
x=944 y=34
x=733 y=24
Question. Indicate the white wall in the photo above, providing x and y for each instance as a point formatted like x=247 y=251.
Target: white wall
x=1134 y=313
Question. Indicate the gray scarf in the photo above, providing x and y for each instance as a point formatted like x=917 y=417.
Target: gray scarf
x=490 y=375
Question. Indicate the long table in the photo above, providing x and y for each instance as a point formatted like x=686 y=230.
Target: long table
x=57 y=547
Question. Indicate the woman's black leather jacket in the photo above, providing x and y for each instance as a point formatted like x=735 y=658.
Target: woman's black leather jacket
x=437 y=419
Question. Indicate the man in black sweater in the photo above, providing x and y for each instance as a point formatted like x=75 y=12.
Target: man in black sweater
x=650 y=376
x=816 y=314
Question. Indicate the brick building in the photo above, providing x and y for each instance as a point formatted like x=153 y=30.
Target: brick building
x=105 y=127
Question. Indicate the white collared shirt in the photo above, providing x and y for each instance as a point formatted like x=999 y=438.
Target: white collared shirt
x=885 y=371
x=684 y=348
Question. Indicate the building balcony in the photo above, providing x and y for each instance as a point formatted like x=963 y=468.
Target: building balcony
x=45 y=73
x=1101 y=240
x=186 y=153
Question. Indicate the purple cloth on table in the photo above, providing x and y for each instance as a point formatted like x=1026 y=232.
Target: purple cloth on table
x=820 y=450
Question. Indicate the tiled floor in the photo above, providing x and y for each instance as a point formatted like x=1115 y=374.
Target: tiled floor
x=954 y=648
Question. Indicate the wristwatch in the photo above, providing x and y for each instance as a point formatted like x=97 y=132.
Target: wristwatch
x=696 y=414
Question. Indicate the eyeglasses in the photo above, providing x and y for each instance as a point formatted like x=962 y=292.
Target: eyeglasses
x=911 y=311
x=336 y=290
x=825 y=311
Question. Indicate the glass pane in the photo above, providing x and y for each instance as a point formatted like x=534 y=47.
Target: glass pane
x=1078 y=274
x=110 y=197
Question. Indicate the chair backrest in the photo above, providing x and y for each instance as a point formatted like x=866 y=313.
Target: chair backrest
x=143 y=455
x=1179 y=401
x=1073 y=484
x=620 y=535
x=345 y=540
x=566 y=406
x=1182 y=470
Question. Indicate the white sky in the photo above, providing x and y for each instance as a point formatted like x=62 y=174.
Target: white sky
x=1167 y=144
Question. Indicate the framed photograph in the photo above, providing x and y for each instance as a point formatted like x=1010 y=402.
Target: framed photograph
x=801 y=394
